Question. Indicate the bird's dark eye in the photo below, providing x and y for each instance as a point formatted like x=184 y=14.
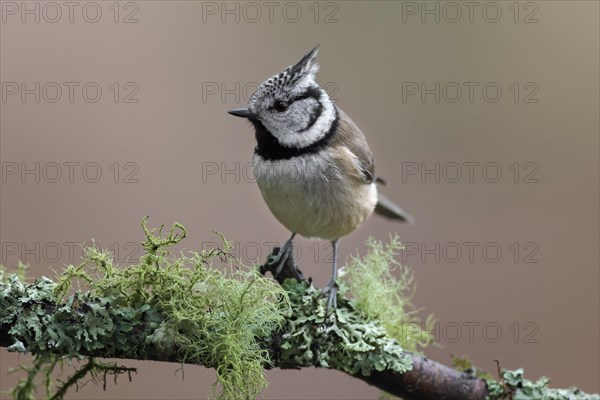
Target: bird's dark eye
x=280 y=106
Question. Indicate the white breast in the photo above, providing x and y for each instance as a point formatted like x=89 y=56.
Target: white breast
x=310 y=196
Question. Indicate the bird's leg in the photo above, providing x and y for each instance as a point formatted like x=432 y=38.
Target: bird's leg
x=284 y=254
x=331 y=286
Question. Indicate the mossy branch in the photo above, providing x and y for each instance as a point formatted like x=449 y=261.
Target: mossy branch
x=203 y=309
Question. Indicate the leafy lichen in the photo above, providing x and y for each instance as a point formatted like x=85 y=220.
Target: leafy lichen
x=203 y=308
x=514 y=386
x=344 y=339
x=207 y=314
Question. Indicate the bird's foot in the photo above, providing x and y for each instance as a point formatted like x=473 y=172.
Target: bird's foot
x=284 y=256
x=331 y=289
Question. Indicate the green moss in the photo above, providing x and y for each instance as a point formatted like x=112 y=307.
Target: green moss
x=463 y=364
x=382 y=288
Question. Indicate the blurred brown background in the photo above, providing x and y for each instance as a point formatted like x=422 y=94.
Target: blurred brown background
x=511 y=258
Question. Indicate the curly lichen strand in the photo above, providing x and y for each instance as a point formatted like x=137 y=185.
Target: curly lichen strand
x=154 y=244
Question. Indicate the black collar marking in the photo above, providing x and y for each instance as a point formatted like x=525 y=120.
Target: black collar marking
x=269 y=148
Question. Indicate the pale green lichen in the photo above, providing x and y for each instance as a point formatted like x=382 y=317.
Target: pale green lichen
x=344 y=339
x=218 y=316
x=207 y=314
x=362 y=334
x=382 y=288
x=514 y=386
x=203 y=308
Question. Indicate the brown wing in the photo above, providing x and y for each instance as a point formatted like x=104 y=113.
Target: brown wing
x=350 y=136
x=352 y=147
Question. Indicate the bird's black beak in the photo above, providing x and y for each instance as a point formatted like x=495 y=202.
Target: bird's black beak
x=241 y=112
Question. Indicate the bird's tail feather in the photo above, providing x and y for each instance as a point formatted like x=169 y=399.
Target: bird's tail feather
x=385 y=207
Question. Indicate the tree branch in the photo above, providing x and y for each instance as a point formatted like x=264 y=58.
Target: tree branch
x=34 y=322
x=102 y=324
x=427 y=380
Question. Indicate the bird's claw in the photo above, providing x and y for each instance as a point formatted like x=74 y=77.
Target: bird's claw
x=284 y=254
x=331 y=289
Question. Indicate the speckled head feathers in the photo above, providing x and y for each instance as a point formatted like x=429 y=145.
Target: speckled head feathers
x=305 y=69
x=290 y=110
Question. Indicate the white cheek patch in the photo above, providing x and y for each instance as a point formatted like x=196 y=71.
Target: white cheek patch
x=293 y=139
